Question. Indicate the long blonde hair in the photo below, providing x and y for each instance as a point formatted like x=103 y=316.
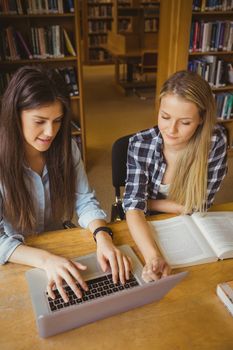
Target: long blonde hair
x=189 y=185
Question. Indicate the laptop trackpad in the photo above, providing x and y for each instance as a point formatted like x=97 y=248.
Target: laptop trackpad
x=93 y=267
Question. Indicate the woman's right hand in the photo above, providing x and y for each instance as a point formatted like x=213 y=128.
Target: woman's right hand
x=155 y=268
x=60 y=270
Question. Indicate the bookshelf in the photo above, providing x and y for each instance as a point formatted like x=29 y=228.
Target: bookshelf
x=184 y=45
x=96 y=21
x=49 y=35
x=126 y=16
x=134 y=34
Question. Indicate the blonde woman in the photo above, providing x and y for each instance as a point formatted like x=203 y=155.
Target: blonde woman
x=177 y=166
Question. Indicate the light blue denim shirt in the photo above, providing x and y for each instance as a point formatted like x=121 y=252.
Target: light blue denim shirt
x=86 y=207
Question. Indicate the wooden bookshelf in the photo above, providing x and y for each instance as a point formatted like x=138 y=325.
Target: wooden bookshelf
x=96 y=22
x=126 y=16
x=176 y=18
x=128 y=45
x=69 y=21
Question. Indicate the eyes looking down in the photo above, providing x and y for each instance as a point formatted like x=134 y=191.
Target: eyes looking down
x=41 y=125
x=178 y=120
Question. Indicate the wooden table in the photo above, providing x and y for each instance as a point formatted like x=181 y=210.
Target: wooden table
x=125 y=79
x=189 y=317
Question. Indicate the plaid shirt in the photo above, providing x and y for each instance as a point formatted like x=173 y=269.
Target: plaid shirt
x=146 y=167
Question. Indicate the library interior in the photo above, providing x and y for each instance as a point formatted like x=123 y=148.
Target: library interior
x=114 y=56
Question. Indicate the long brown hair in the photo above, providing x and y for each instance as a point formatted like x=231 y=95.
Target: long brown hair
x=189 y=185
x=34 y=87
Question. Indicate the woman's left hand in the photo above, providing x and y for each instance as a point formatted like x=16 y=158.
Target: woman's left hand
x=109 y=255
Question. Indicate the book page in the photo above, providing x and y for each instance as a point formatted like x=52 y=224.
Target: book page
x=217 y=227
x=181 y=242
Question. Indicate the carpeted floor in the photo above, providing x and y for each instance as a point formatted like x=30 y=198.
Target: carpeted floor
x=109 y=115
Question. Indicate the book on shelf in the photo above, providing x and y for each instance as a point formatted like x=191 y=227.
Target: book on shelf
x=68 y=44
x=25 y=49
x=70 y=5
x=188 y=240
x=224 y=103
x=75 y=125
x=225 y=293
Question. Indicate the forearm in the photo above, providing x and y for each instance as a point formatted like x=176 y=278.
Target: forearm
x=165 y=206
x=29 y=256
x=102 y=235
x=141 y=233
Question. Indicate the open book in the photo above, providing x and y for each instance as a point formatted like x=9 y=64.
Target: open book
x=191 y=240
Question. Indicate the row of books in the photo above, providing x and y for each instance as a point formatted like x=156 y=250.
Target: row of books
x=151 y=25
x=211 y=36
x=44 y=42
x=100 y=11
x=212 y=5
x=99 y=26
x=213 y=69
x=96 y=40
x=36 y=6
x=224 y=102
x=100 y=55
x=69 y=75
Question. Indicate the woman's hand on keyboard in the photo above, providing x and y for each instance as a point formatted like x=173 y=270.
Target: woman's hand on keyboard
x=109 y=255
x=155 y=268
x=60 y=270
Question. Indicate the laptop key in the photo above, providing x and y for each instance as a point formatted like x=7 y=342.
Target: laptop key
x=98 y=287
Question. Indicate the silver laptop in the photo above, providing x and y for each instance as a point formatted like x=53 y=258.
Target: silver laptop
x=103 y=299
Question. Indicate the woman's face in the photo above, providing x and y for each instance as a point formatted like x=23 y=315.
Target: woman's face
x=178 y=120
x=40 y=126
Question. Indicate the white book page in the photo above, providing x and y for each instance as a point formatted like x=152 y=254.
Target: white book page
x=217 y=227
x=181 y=242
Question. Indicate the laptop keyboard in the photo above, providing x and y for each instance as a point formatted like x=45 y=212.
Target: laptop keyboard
x=98 y=288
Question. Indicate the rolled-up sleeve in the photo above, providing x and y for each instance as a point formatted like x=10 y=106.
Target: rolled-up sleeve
x=217 y=164
x=8 y=242
x=135 y=195
x=86 y=205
